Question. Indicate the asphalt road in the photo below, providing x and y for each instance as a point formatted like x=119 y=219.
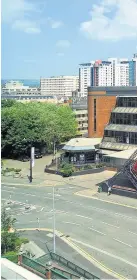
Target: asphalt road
x=106 y=231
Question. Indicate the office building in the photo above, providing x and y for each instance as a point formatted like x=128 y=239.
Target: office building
x=112 y=114
x=62 y=85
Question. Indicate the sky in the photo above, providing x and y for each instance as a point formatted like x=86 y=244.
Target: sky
x=52 y=37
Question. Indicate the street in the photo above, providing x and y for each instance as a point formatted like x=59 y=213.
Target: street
x=106 y=231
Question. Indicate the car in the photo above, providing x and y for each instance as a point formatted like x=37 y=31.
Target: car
x=38 y=155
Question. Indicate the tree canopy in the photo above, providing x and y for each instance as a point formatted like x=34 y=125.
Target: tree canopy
x=35 y=124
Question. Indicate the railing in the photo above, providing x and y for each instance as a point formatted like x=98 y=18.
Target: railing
x=80 y=271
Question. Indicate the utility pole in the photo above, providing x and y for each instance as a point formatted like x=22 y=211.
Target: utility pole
x=54 y=224
x=32 y=156
x=38 y=223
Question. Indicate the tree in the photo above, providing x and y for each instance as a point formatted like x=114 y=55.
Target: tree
x=8 y=239
x=35 y=124
x=7 y=103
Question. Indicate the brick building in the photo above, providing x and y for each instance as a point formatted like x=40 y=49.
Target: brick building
x=102 y=102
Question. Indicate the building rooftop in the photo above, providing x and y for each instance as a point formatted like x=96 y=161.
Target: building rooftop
x=121 y=127
x=122 y=154
x=129 y=110
x=82 y=144
x=114 y=90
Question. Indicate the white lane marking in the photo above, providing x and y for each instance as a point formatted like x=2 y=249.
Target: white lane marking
x=122 y=242
x=70 y=223
x=9 y=187
x=15 y=193
x=97 y=231
x=104 y=252
x=84 y=217
x=110 y=225
x=30 y=194
x=132 y=232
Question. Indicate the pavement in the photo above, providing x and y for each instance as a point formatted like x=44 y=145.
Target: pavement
x=105 y=233
x=44 y=239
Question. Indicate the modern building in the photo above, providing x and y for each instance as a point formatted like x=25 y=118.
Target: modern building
x=85 y=77
x=16 y=87
x=112 y=114
x=61 y=85
x=111 y=72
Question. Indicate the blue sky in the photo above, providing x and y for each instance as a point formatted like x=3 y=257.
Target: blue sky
x=52 y=37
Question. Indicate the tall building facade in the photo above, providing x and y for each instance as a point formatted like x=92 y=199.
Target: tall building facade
x=111 y=72
x=60 y=85
x=85 y=77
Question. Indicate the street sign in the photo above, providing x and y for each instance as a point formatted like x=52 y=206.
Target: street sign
x=32 y=155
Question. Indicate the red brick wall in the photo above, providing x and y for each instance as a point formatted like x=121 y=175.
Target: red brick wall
x=104 y=106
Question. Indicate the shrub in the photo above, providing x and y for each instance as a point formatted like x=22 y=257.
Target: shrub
x=11 y=256
x=99 y=165
x=67 y=169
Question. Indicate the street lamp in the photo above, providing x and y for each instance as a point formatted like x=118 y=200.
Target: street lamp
x=54 y=223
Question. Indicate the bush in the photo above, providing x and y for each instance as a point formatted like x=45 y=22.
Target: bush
x=67 y=169
x=11 y=256
x=88 y=167
x=99 y=165
x=17 y=170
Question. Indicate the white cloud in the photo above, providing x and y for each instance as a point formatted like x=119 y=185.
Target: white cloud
x=26 y=26
x=21 y=15
x=63 y=44
x=112 y=20
x=55 y=23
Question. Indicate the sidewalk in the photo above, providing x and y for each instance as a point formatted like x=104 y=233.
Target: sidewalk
x=115 y=199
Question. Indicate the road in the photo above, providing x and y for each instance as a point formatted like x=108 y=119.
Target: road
x=106 y=231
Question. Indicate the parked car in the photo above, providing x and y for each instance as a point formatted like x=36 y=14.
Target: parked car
x=38 y=155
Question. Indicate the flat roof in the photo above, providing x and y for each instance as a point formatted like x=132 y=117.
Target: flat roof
x=114 y=90
x=82 y=144
x=123 y=154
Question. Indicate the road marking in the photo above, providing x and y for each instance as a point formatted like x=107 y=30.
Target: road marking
x=97 y=231
x=122 y=242
x=132 y=232
x=110 y=225
x=84 y=217
x=104 y=252
x=70 y=223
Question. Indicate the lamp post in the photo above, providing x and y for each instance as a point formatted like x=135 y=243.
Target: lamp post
x=54 y=223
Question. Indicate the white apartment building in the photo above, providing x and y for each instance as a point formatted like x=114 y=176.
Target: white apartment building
x=60 y=85
x=85 y=78
x=111 y=72
x=122 y=72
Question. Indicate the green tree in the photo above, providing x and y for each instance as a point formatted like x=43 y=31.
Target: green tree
x=35 y=124
x=8 y=239
x=8 y=103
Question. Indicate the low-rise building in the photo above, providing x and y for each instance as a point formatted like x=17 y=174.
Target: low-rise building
x=79 y=106
x=16 y=87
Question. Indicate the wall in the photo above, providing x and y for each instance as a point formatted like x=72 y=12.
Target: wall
x=104 y=106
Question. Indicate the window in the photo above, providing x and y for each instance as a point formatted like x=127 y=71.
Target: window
x=95 y=124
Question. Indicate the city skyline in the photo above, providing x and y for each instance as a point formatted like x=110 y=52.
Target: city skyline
x=51 y=38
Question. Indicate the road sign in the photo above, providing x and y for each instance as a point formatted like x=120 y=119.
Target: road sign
x=32 y=155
